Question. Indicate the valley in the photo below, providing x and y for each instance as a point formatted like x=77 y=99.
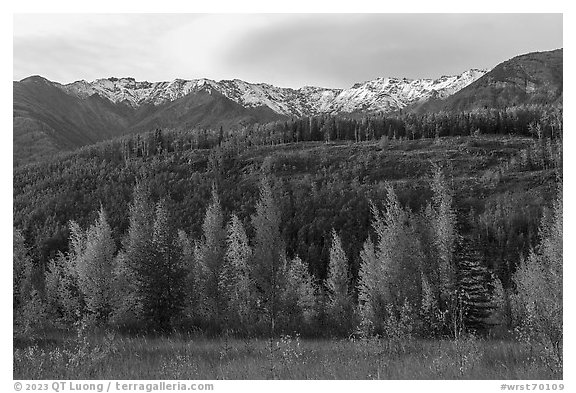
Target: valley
x=204 y=229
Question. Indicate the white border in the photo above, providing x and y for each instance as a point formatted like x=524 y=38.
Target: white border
x=167 y=6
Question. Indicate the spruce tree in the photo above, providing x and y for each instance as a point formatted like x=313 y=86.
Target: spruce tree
x=474 y=286
x=369 y=287
x=338 y=278
x=269 y=257
x=444 y=228
x=198 y=306
x=444 y=278
x=235 y=281
x=22 y=270
x=193 y=278
x=164 y=298
x=337 y=284
x=211 y=254
x=500 y=301
x=29 y=309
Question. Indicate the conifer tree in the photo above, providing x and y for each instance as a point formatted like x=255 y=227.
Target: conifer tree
x=211 y=254
x=369 y=288
x=22 y=270
x=197 y=306
x=235 y=281
x=444 y=228
x=500 y=305
x=65 y=299
x=125 y=298
x=474 y=286
x=132 y=272
x=193 y=280
x=299 y=296
x=29 y=309
x=269 y=257
x=338 y=288
x=338 y=278
x=451 y=299
x=164 y=298
x=95 y=268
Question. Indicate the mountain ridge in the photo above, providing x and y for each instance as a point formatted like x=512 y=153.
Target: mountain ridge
x=50 y=117
x=531 y=78
x=381 y=94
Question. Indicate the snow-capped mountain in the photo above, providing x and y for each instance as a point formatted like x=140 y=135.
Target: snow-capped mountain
x=134 y=93
x=391 y=94
x=50 y=117
x=378 y=95
x=284 y=101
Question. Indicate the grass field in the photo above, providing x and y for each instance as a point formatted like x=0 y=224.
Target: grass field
x=115 y=357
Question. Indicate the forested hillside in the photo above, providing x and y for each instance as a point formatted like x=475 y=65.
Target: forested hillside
x=321 y=208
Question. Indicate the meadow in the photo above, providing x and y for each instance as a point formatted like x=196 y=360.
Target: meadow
x=111 y=356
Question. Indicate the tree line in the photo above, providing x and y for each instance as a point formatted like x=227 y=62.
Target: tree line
x=420 y=274
x=538 y=121
x=330 y=188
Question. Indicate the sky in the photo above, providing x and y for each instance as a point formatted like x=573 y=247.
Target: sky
x=288 y=50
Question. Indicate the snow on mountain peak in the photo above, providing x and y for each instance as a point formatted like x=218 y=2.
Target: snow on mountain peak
x=377 y=95
x=390 y=94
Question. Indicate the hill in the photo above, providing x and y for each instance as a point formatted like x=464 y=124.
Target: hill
x=47 y=120
x=533 y=78
x=318 y=187
x=203 y=109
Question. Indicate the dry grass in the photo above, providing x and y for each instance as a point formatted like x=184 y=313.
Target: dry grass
x=110 y=357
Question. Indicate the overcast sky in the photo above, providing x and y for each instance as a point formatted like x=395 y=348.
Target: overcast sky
x=290 y=50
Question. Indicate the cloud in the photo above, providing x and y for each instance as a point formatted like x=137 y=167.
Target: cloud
x=333 y=50
x=338 y=50
x=71 y=47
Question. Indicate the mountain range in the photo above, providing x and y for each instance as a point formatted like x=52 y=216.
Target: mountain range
x=50 y=117
x=381 y=94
